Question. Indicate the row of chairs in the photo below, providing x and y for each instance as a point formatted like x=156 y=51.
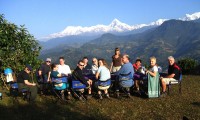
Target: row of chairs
x=76 y=87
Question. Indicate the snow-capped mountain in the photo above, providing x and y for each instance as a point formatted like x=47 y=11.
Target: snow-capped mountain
x=189 y=17
x=114 y=27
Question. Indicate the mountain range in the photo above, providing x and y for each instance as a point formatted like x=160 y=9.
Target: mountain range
x=173 y=37
x=75 y=36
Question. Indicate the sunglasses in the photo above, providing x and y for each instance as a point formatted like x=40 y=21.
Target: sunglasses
x=28 y=69
x=81 y=65
x=48 y=61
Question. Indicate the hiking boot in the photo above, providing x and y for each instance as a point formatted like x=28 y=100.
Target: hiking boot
x=100 y=97
x=80 y=98
x=163 y=94
x=107 y=96
x=128 y=95
x=69 y=96
x=62 y=95
x=138 y=92
x=89 y=96
x=117 y=94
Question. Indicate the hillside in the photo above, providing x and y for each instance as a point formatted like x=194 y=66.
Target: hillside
x=173 y=37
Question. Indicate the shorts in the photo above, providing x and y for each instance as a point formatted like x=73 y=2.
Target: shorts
x=115 y=69
x=167 y=80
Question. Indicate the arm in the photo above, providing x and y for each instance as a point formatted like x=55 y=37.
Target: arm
x=97 y=75
x=78 y=75
x=69 y=70
x=170 y=76
x=152 y=73
x=40 y=72
x=111 y=65
x=48 y=78
x=28 y=83
x=59 y=75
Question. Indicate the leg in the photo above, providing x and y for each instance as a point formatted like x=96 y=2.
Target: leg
x=163 y=85
x=33 y=90
x=137 y=85
x=106 y=93
x=68 y=94
x=99 y=93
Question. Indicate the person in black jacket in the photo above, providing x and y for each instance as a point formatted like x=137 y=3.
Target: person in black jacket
x=87 y=69
x=23 y=81
x=78 y=75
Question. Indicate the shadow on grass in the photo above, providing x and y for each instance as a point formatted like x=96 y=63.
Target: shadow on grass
x=196 y=104
x=45 y=110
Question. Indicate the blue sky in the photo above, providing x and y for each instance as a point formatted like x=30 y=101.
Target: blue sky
x=44 y=17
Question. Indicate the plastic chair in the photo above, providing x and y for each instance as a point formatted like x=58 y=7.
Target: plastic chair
x=173 y=83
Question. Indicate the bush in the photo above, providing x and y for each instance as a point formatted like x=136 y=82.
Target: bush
x=188 y=65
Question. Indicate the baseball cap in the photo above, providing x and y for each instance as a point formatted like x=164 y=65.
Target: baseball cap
x=29 y=67
x=48 y=59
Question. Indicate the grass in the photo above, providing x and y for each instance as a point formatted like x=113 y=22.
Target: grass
x=174 y=106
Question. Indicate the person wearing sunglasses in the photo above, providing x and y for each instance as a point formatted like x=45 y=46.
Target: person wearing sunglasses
x=78 y=74
x=44 y=75
x=23 y=81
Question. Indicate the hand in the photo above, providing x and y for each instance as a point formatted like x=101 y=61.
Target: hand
x=33 y=84
x=88 y=82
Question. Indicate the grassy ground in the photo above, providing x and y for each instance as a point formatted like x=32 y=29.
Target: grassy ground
x=174 y=106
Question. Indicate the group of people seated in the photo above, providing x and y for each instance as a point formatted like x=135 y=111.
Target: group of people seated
x=125 y=74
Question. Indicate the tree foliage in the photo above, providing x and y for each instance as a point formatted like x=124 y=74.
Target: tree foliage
x=188 y=65
x=17 y=46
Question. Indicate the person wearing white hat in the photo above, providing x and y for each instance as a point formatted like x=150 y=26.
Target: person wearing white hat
x=44 y=74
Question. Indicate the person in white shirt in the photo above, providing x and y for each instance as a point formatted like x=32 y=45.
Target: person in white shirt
x=63 y=68
x=103 y=75
x=94 y=65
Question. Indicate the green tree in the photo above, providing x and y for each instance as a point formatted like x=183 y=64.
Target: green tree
x=188 y=65
x=17 y=46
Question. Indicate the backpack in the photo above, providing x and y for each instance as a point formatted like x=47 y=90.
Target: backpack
x=178 y=67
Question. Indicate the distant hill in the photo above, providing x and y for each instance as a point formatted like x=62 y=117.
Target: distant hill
x=68 y=41
x=173 y=37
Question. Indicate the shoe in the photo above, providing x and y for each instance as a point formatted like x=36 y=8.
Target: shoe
x=80 y=98
x=107 y=96
x=41 y=92
x=138 y=92
x=117 y=94
x=89 y=96
x=163 y=94
x=62 y=95
x=128 y=95
x=69 y=96
x=100 y=97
